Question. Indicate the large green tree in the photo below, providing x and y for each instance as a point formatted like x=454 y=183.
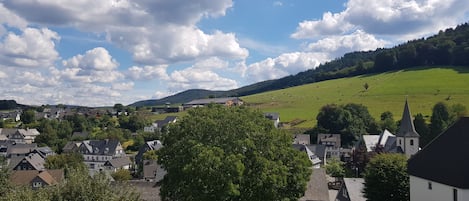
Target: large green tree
x=386 y=178
x=230 y=153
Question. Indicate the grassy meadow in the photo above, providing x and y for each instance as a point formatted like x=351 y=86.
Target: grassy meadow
x=386 y=92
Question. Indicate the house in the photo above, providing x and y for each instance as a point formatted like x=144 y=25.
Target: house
x=316 y=188
x=152 y=171
x=19 y=150
x=21 y=135
x=159 y=124
x=440 y=170
x=149 y=145
x=406 y=140
x=311 y=155
x=302 y=139
x=37 y=179
x=351 y=190
x=44 y=152
x=385 y=141
x=97 y=152
x=230 y=101
x=332 y=143
x=32 y=161
x=71 y=147
x=320 y=151
x=274 y=117
x=118 y=164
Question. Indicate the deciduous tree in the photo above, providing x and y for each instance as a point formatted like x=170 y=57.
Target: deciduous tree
x=230 y=153
x=386 y=178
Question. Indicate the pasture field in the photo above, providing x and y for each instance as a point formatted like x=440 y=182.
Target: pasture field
x=422 y=86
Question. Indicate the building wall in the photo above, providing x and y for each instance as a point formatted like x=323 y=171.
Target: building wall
x=419 y=191
x=411 y=149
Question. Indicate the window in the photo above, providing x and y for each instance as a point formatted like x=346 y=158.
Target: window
x=430 y=185
x=344 y=193
x=400 y=141
x=37 y=184
x=455 y=194
x=412 y=142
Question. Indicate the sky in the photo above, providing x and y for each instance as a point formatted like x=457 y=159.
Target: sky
x=99 y=53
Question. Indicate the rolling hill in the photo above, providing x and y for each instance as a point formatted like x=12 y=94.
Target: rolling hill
x=424 y=86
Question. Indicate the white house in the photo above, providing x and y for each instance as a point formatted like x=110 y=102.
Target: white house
x=97 y=152
x=440 y=171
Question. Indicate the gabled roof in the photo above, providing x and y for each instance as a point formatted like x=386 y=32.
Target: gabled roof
x=18 y=148
x=154 y=144
x=164 y=122
x=311 y=155
x=316 y=188
x=100 y=147
x=25 y=177
x=406 y=128
x=445 y=159
x=118 y=162
x=355 y=188
x=370 y=142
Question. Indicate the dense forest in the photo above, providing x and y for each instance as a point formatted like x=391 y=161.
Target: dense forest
x=447 y=48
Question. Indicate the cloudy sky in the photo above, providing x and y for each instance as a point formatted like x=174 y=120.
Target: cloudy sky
x=102 y=52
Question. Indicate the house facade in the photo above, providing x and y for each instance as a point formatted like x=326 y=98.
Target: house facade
x=97 y=152
x=332 y=143
x=440 y=171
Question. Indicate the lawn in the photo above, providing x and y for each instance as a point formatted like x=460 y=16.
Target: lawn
x=423 y=87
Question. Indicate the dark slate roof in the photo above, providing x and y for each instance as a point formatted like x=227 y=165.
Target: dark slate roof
x=407 y=129
x=445 y=159
x=316 y=188
x=164 y=122
x=101 y=147
x=271 y=115
x=18 y=148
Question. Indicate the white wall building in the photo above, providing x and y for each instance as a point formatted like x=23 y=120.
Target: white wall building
x=440 y=171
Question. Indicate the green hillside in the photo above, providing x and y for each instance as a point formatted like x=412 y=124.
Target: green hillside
x=387 y=91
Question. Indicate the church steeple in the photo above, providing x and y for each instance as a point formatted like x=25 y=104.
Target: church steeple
x=407 y=129
x=407 y=137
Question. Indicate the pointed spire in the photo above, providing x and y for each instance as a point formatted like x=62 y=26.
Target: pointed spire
x=407 y=129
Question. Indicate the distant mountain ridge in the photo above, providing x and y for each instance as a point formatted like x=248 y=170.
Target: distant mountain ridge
x=449 y=48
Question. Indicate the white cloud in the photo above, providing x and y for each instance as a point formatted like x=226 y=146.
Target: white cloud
x=96 y=65
x=330 y=24
x=409 y=18
x=155 y=32
x=195 y=78
x=277 y=3
x=95 y=59
x=11 y=19
x=337 y=46
x=125 y=86
x=285 y=64
x=33 y=48
x=211 y=63
x=147 y=72
x=3 y=75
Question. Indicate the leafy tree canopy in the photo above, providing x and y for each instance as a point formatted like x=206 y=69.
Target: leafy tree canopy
x=386 y=178
x=230 y=153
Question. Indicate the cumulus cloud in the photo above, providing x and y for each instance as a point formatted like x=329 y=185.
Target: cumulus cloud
x=339 y=45
x=156 y=32
x=147 y=72
x=196 y=78
x=33 y=48
x=96 y=65
x=285 y=64
x=387 y=17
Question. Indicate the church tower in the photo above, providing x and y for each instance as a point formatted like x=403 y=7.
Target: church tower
x=407 y=137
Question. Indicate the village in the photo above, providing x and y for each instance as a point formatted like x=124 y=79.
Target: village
x=428 y=176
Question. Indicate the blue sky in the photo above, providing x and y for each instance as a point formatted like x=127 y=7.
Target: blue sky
x=97 y=53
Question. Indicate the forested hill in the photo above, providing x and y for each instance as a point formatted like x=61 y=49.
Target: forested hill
x=449 y=48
